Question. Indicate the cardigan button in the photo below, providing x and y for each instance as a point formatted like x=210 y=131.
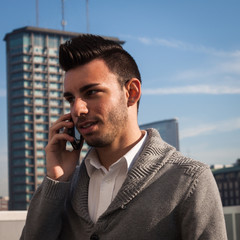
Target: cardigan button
x=94 y=237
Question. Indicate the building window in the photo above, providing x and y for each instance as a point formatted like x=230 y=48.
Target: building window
x=19 y=75
x=22 y=135
x=40 y=93
x=26 y=39
x=22 y=161
x=66 y=110
x=41 y=144
x=22 y=144
x=40 y=179
x=54 y=77
x=53 y=60
x=26 y=153
x=53 y=52
x=17 y=67
x=53 y=42
x=39 y=59
x=39 y=40
x=56 y=111
x=17 y=59
x=21 y=118
x=41 y=127
x=41 y=110
x=40 y=101
x=55 y=94
x=55 y=102
x=41 y=162
x=39 y=76
x=54 y=119
x=16 y=40
x=41 y=118
x=57 y=86
x=237 y=193
x=41 y=170
x=41 y=135
x=26 y=126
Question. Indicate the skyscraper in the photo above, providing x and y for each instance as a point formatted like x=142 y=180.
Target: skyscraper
x=168 y=130
x=35 y=101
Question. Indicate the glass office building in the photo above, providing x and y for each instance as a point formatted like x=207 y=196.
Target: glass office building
x=168 y=130
x=35 y=101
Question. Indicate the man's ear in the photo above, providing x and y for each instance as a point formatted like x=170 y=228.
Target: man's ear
x=133 y=93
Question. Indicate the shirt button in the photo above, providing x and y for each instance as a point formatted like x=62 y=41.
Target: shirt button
x=94 y=237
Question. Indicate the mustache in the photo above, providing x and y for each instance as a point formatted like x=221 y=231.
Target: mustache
x=84 y=118
x=81 y=119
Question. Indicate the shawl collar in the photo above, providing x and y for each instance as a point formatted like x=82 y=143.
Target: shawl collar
x=152 y=158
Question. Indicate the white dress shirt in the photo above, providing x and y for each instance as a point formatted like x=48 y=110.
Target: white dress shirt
x=104 y=184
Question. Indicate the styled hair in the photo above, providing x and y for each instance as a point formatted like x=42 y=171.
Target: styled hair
x=87 y=47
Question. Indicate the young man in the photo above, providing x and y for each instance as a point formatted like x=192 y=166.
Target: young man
x=131 y=184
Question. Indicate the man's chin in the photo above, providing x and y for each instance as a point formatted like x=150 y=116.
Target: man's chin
x=97 y=142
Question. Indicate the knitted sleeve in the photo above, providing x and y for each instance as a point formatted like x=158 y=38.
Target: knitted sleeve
x=44 y=218
x=202 y=212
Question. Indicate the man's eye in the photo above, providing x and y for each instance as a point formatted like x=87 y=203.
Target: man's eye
x=91 y=92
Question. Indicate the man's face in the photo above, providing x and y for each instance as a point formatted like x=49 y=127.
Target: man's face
x=98 y=104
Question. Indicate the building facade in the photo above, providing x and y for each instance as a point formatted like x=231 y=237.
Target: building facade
x=168 y=130
x=232 y=220
x=35 y=100
x=228 y=181
x=4 y=203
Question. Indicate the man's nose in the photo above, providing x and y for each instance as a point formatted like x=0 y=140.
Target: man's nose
x=79 y=107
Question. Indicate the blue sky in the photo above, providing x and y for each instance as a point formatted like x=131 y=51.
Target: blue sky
x=188 y=53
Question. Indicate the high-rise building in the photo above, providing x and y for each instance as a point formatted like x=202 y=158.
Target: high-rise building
x=168 y=130
x=35 y=101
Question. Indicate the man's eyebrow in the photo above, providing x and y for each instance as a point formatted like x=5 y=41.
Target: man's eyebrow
x=86 y=87
x=82 y=89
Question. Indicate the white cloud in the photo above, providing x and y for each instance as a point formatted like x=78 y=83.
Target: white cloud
x=192 y=89
x=145 y=40
x=224 y=126
x=173 y=43
x=225 y=73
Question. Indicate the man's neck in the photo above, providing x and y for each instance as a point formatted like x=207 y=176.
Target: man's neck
x=110 y=154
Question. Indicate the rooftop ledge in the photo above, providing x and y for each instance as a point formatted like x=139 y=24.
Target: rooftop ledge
x=13 y=215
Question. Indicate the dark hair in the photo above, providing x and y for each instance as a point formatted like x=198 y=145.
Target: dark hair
x=85 y=48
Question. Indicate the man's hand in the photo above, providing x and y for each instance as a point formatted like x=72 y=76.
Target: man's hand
x=61 y=163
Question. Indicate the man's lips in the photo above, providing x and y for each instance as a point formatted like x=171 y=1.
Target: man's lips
x=86 y=126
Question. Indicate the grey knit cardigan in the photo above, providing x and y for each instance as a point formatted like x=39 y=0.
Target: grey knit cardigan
x=165 y=196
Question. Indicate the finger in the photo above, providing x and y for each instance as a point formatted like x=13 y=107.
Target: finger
x=63 y=118
x=59 y=141
x=55 y=129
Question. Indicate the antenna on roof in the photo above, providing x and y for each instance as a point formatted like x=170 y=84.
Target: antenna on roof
x=63 y=22
x=87 y=15
x=37 y=16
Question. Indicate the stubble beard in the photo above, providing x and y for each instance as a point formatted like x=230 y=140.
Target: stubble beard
x=115 y=123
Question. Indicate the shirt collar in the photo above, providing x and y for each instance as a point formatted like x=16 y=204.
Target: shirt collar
x=92 y=162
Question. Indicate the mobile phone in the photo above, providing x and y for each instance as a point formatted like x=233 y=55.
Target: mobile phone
x=76 y=144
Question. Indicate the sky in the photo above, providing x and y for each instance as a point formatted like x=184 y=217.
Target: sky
x=188 y=53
